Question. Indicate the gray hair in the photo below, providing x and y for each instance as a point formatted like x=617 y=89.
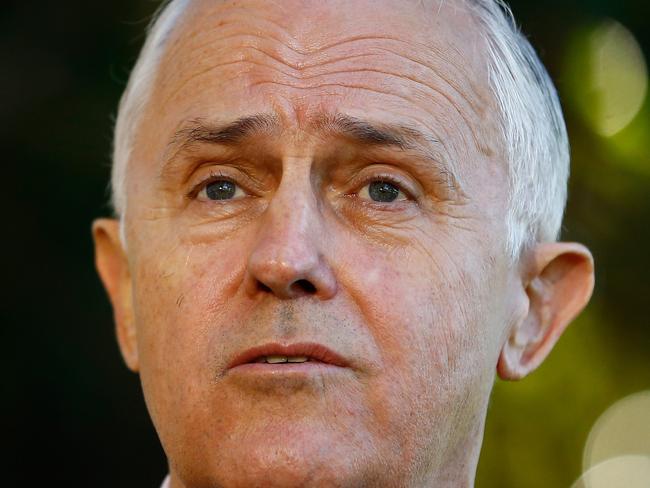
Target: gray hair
x=530 y=119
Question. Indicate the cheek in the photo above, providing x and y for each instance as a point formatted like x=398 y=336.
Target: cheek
x=421 y=313
x=178 y=299
x=183 y=287
x=428 y=317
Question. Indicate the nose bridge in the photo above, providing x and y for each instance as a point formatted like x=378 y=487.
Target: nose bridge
x=292 y=210
x=287 y=258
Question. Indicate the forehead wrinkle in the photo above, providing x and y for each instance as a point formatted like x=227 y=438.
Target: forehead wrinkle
x=477 y=103
x=399 y=97
x=215 y=66
x=290 y=41
x=422 y=84
x=226 y=14
x=307 y=59
x=296 y=63
x=436 y=61
x=248 y=28
x=301 y=64
x=426 y=84
x=295 y=67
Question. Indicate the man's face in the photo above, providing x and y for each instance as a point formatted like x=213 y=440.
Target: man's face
x=292 y=183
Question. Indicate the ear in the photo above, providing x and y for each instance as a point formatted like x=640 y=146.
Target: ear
x=559 y=279
x=113 y=268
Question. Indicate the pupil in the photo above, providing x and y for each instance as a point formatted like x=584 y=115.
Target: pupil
x=383 y=191
x=220 y=190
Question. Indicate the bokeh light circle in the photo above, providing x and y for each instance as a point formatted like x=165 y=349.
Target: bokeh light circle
x=618 y=472
x=608 y=76
x=624 y=429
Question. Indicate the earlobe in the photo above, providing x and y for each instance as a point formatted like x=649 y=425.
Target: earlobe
x=559 y=281
x=113 y=269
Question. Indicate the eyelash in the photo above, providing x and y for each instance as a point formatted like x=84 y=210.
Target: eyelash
x=390 y=179
x=199 y=187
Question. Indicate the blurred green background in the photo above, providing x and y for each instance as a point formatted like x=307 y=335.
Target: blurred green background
x=72 y=413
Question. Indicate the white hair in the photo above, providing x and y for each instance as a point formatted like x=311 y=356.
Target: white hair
x=532 y=126
x=530 y=118
x=135 y=98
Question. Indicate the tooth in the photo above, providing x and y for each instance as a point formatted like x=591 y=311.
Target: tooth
x=297 y=359
x=276 y=359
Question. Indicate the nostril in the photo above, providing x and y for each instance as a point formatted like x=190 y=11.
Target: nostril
x=263 y=287
x=306 y=285
x=301 y=285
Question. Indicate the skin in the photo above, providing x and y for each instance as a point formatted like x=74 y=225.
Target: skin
x=417 y=294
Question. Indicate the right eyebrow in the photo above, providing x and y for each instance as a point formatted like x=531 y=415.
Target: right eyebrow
x=228 y=134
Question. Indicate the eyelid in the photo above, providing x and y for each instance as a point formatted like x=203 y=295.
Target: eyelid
x=212 y=177
x=399 y=182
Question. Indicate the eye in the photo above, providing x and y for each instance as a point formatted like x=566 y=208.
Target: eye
x=221 y=189
x=382 y=191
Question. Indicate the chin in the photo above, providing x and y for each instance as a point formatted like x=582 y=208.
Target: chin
x=294 y=461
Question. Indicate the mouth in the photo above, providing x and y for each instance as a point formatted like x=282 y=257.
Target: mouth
x=278 y=357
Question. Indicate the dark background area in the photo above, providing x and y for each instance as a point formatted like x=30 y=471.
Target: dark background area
x=72 y=413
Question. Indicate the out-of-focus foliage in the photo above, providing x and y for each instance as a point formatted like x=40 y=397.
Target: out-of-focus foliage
x=74 y=416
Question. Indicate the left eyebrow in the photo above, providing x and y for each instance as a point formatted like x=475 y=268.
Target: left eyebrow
x=372 y=134
x=401 y=136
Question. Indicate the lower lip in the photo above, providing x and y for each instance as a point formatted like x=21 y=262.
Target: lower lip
x=308 y=367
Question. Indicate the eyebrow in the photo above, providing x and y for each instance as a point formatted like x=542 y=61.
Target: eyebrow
x=403 y=136
x=372 y=134
x=229 y=134
x=359 y=131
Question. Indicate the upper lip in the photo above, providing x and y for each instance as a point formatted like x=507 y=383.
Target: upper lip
x=312 y=350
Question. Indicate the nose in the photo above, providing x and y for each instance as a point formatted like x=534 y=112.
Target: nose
x=287 y=258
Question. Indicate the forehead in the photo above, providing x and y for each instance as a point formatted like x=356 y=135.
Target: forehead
x=414 y=63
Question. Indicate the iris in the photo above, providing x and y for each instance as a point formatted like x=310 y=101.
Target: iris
x=383 y=191
x=220 y=190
